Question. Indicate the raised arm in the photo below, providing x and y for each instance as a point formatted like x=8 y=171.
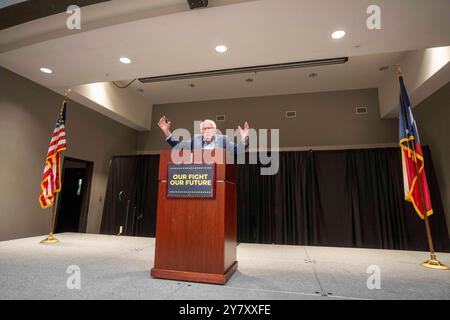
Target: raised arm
x=244 y=132
x=164 y=125
x=242 y=144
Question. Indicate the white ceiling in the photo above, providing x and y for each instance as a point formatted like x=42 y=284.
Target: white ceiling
x=256 y=33
x=165 y=37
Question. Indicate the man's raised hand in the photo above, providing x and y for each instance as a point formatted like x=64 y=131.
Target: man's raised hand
x=244 y=132
x=164 y=125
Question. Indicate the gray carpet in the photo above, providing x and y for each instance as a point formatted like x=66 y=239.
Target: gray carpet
x=114 y=267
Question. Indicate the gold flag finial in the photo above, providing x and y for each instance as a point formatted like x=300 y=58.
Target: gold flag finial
x=399 y=70
x=66 y=93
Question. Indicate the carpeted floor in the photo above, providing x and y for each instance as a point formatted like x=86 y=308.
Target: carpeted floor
x=114 y=267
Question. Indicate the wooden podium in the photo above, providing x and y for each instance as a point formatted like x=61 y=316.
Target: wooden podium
x=196 y=237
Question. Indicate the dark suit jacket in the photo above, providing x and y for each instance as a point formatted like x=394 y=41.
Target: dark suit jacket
x=220 y=142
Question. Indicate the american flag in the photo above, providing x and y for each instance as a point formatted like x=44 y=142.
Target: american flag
x=51 y=178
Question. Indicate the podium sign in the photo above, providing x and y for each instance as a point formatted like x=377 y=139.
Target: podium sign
x=191 y=181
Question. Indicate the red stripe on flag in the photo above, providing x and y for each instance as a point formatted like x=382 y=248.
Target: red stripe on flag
x=413 y=193
x=51 y=177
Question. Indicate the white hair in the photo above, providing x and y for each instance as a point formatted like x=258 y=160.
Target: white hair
x=207 y=120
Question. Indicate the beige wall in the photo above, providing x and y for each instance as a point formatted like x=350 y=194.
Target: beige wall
x=27 y=117
x=324 y=119
x=433 y=121
x=424 y=72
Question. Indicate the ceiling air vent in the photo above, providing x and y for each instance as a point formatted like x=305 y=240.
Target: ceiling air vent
x=197 y=3
x=361 y=110
x=291 y=114
x=220 y=118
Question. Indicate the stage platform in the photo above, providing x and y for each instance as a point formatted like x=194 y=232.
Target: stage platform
x=113 y=267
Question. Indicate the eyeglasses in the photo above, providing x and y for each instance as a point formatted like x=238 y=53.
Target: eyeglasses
x=207 y=128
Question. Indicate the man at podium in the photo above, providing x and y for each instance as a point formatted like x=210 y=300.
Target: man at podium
x=209 y=139
x=196 y=226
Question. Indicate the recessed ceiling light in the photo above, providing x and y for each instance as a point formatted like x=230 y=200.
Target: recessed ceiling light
x=125 y=60
x=191 y=85
x=384 y=68
x=338 y=34
x=249 y=80
x=140 y=90
x=313 y=75
x=46 y=70
x=221 y=48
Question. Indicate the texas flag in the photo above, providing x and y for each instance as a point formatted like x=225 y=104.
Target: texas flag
x=412 y=158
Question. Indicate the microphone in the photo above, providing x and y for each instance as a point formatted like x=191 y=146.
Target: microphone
x=122 y=194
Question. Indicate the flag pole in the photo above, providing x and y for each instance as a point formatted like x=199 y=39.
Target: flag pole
x=51 y=238
x=433 y=262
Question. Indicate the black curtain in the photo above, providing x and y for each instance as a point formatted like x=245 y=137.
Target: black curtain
x=350 y=198
x=137 y=178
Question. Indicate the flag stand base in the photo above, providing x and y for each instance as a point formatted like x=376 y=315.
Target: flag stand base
x=434 y=263
x=50 y=239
